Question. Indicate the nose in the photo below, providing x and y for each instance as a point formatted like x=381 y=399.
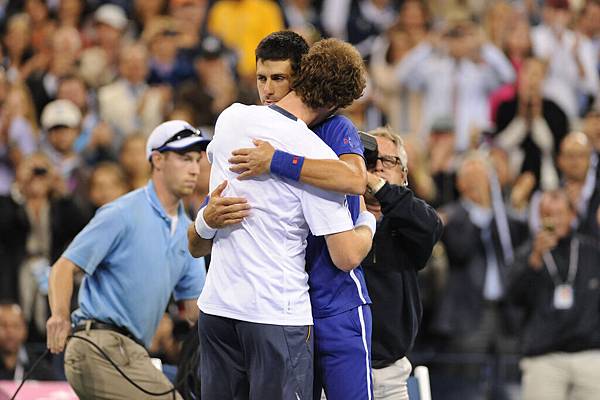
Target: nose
x=268 y=88
x=195 y=169
x=378 y=170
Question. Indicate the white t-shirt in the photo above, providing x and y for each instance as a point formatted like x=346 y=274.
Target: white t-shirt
x=257 y=270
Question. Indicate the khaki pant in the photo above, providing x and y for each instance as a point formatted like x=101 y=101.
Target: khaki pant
x=389 y=383
x=562 y=376
x=93 y=377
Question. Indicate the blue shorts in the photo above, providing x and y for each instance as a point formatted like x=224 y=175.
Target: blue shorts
x=343 y=355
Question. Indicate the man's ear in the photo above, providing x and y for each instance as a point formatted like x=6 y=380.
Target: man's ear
x=156 y=158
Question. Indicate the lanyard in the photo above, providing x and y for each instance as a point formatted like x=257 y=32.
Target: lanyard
x=573 y=261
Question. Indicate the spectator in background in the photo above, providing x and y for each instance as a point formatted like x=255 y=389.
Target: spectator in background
x=400 y=105
x=19 y=134
x=241 y=24
x=66 y=46
x=456 y=77
x=517 y=48
x=588 y=25
x=531 y=127
x=498 y=22
x=191 y=19
x=70 y=13
x=591 y=127
x=420 y=180
x=214 y=87
x=301 y=16
x=133 y=162
x=581 y=187
x=37 y=224
x=16 y=42
x=129 y=104
x=443 y=161
x=109 y=27
x=472 y=313
x=61 y=121
x=167 y=65
x=96 y=141
x=572 y=63
x=16 y=358
x=415 y=19
x=107 y=182
x=146 y=10
x=42 y=30
x=408 y=228
x=366 y=20
x=556 y=281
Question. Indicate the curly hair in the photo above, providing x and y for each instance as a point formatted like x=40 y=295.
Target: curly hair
x=332 y=75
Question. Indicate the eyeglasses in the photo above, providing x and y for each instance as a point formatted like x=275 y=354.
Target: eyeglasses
x=389 y=161
x=178 y=136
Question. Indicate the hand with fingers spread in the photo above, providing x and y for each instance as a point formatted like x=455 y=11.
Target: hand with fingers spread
x=221 y=211
x=58 y=328
x=251 y=162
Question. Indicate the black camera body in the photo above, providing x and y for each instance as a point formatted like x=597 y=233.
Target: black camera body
x=371 y=151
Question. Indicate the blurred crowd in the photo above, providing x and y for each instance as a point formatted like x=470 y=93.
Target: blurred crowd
x=497 y=102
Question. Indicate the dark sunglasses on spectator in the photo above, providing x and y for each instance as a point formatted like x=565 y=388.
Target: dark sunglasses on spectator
x=178 y=136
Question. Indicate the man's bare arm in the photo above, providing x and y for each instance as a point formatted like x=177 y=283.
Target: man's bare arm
x=348 y=249
x=220 y=212
x=346 y=175
x=190 y=310
x=60 y=291
x=197 y=246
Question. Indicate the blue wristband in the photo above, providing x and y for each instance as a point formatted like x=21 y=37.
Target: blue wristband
x=287 y=165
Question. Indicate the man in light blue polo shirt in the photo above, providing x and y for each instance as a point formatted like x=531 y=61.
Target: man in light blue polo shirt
x=134 y=256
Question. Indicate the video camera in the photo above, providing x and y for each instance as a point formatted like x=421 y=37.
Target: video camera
x=371 y=151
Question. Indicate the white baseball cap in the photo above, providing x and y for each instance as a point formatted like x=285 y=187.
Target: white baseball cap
x=60 y=113
x=112 y=15
x=176 y=135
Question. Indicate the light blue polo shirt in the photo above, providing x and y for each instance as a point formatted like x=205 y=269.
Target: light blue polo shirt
x=133 y=263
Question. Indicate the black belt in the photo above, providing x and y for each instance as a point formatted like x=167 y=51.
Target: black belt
x=108 y=327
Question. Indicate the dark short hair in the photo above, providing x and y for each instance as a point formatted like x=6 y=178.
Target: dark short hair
x=281 y=46
x=332 y=75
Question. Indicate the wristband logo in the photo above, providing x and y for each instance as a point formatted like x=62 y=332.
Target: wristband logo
x=295 y=160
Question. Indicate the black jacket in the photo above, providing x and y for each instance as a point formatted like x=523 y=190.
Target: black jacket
x=66 y=221
x=547 y=329
x=462 y=302
x=401 y=247
x=43 y=371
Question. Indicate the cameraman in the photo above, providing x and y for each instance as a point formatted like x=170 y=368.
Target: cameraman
x=407 y=230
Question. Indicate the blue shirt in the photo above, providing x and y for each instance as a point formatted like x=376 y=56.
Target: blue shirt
x=133 y=263
x=333 y=291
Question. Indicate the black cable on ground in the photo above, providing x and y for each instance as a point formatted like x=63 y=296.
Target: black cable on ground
x=128 y=379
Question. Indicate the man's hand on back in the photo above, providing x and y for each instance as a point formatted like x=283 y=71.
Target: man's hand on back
x=224 y=211
x=251 y=162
